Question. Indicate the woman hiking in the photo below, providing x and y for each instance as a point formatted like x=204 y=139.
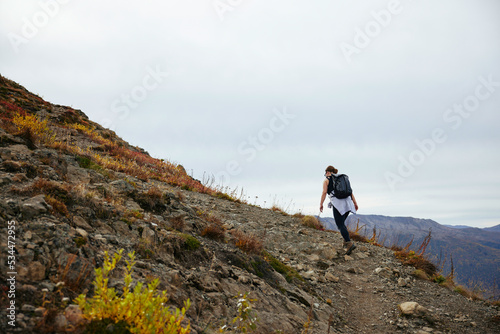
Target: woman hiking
x=341 y=207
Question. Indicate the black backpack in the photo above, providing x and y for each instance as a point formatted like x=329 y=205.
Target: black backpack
x=339 y=186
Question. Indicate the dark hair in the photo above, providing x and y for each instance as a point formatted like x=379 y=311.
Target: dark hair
x=331 y=169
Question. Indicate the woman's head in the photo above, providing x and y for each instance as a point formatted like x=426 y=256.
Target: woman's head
x=331 y=169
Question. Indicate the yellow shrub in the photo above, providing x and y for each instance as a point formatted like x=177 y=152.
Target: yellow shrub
x=81 y=128
x=39 y=129
x=143 y=309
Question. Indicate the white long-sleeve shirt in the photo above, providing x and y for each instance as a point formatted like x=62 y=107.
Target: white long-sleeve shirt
x=343 y=205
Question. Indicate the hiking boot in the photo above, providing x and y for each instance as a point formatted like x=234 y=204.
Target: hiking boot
x=350 y=248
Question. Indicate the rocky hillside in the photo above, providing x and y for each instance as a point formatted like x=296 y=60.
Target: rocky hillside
x=475 y=252
x=71 y=190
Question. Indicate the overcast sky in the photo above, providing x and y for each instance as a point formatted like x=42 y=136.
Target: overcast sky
x=403 y=96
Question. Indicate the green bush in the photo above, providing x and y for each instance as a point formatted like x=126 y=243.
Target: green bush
x=190 y=242
x=288 y=272
x=439 y=279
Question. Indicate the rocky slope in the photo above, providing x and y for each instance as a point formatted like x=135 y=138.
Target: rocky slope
x=75 y=194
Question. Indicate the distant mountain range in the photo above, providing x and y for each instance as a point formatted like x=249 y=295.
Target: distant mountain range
x=495 y=228
x=475 y=251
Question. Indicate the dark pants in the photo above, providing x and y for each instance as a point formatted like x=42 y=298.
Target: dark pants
x=340 y=222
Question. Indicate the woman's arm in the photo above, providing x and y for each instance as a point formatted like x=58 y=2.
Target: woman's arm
x=323 y=195
x=354 y=201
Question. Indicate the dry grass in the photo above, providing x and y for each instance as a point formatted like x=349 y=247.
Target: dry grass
x=75 y=273
x=54 y=190
x=178 y=223
x=214 y=231
x=58 y=207
x=416 y=259
x=249 y=243
x=312 y=222
x=276 y=208
x=298 y=215
x=355 y=234
x=151 y=200
x=102 y=203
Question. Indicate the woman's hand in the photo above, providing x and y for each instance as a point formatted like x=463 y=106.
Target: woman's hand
x=321 y=208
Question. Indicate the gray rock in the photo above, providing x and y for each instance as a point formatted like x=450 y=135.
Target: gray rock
x=34 y=206
x=47 y=285
x=402 y=282
x=82 y=232
x=361 y=255
x=310 y=274
x=133 y=206
x=10 y=206
x=5 y=179
x=81 y=223
x=332 y=278
x=40 y=311
x=36 y=271
x=74 y=315
x=329 y=253
x=77 y=175
x=122 y=186
x=412 y=309
x=384 y=272
x=149 y=235
x=60 y=322
x=28 y=308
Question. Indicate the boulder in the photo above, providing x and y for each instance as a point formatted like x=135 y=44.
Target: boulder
x=412 y=309
x=34 y=206
x=384 y=272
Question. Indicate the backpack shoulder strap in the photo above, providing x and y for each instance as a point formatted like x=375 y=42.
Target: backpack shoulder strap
x=331 y=184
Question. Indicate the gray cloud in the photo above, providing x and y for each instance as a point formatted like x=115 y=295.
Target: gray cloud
x=225 y=78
